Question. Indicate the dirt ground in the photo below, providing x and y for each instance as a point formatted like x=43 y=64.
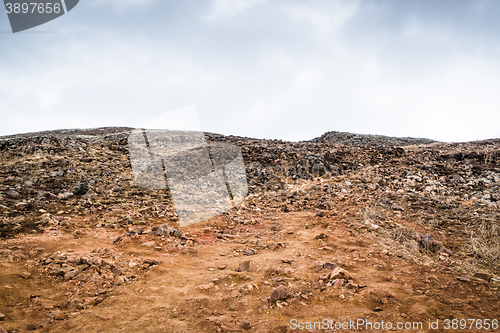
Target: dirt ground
x=198 y=288
x=383 y=239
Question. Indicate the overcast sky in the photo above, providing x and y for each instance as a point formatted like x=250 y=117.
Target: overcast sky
x=271 y=69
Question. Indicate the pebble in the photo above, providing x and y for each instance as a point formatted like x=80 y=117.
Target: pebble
x=280 y=293
x=483 y=276
x=339 y=273
x=246 y=325
x=244 y=266
x=337 y=283
x=31 y=327
x=25 y=275
x=2 y=316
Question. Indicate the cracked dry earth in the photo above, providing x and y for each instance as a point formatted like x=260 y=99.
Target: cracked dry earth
x=112 y=259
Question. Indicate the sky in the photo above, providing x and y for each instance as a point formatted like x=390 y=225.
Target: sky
x=274 y=69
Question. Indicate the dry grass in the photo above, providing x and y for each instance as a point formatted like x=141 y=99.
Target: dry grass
x=484 y=244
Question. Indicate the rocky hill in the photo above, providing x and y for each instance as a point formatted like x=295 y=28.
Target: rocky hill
x=340 y=227
x=351 y=139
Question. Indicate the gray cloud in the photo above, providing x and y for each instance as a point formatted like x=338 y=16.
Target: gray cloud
x=273 y=69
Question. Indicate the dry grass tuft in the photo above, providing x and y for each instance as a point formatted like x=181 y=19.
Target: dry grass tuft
x=484 y=244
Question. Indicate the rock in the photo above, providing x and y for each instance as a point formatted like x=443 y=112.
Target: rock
x=149 y=244
x=244 y=266
x=25 y=275
x=246 y=325
x=483 y=276
x=205 y=286
x=2 y=316
x=249 y=252
x=58 y=272
x=58 y=315
x=371 y=226
x=70 y=275
x=81 y=188
x=176 y=232
x=463 y=279
x=337 y=283
x=428 y=243
x=31 y=327
x=280 y=293
x=13 y=193
x=163 y=230
x=321 y=236
x=119 y=280
x=339 y=273
x=329 y=265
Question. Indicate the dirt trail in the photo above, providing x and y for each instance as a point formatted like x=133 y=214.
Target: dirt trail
x=201 y=290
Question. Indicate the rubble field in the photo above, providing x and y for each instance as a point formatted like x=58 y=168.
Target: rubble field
x=342 y=227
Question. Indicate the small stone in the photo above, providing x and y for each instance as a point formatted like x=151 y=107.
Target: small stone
x=149 y=244
x=222 y=268
x=246 y=325
x=13 y=193
x=2 y=316
x=384 y=252
x=462 y=279
x=31 y=327
x=377 y=309
x=483 y=276
x=249 y=252
x=70 y=275
x=321 y=236
x=339 y=273
x=58 y=315
x=337 y=283
x=244 y=266
x=162 y=230
x=158 y=248
x=119 y=280
x=205 y=286
x=329 y=265
x=304 y=296
x=279 y=293
x=25 y=275
x=176 y=232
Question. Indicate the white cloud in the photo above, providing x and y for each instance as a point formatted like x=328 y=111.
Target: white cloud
x=306 y=73
x=328 y=18
x=220 y=9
